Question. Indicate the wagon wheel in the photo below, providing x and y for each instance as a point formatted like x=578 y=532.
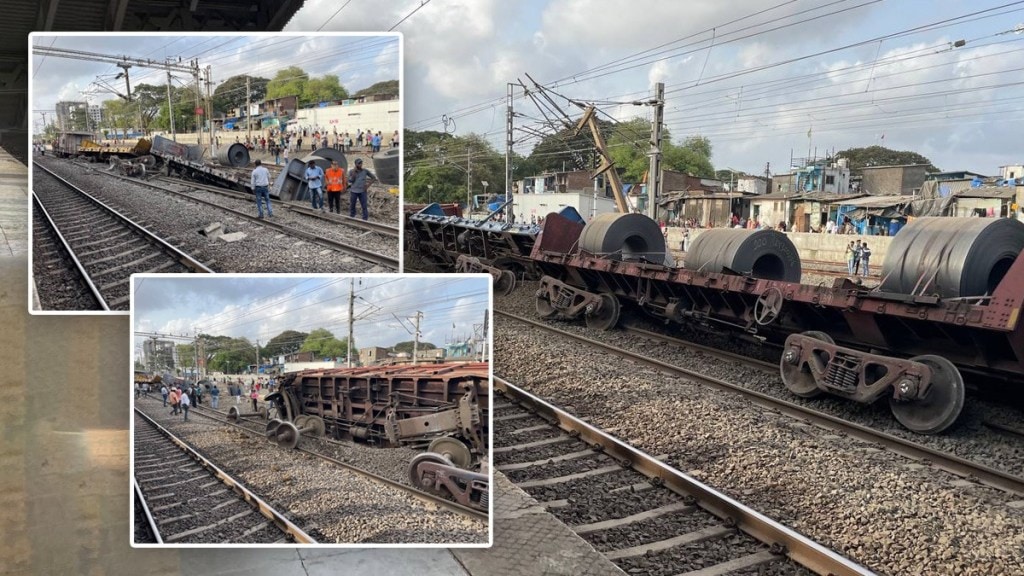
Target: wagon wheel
x=505 y=283
x=288 y=435
x=941 y=405
x=416 y=476
x=544 y=308
x=300 y=421
x=452 y=449
x=271 y=429
x=798 y=377
x=605 y=317
x=768 y=306
x=316 y=426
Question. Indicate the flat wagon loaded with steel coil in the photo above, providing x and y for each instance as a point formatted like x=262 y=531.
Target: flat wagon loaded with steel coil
x=440 y=408
x=948 y=305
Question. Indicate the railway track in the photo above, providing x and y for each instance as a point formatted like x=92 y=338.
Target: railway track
x=257 y=428
x=187 y=499
x=348 y=248
x=636 y=510
x=100 y=247
x=937 y=459
x=368 y=225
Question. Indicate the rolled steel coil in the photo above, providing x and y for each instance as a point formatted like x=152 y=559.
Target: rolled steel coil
x=630 y=237
x=765 y=254
x=385 y=166
x=323 y=157
x=951 y=257
x=235 y=155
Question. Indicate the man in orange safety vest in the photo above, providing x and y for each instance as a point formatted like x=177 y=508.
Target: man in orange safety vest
x=335 y=186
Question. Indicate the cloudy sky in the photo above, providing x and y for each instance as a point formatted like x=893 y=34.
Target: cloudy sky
x=755 y=76
x=263 y=307
x=358 y=61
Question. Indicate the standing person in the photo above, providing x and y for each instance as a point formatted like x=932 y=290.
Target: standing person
x=394 y=139
x=315 y=181
x=335 y=186
x=164 y=392
x=865 y=256
x=856 y=257
x=185 y=403
x=138 y=390
x=255 y=395
x=851 y=254
x=359 y=181
x=175 y=396
x=214 y=397
x=277 y=154
x=260 y=181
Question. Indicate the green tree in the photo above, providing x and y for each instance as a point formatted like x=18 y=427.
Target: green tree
x=324 y=89
x=882 y=156
x=186 y=355
x=629 y=142
x=231 y=92
x=438 y=167
x=289 y=81
x=287 y=342
x=385 y=87
x=407 y=346
x=229 y=355
x=322 y=343
x=118 y=116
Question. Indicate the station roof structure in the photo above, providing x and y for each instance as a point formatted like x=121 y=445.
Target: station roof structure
x=24 y=16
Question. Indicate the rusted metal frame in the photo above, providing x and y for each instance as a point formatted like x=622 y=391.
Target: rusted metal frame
x=798 y=547
x=461 y=484
x=802 y=351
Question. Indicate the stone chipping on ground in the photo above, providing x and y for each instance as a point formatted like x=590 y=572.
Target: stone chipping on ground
x=332 y=504
x=179 y=221
x=880 y=509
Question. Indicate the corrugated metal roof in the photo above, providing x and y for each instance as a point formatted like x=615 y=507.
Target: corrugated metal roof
x=876 y=201
x=1001 y=192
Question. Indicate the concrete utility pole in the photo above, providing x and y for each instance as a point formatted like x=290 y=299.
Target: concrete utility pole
x=469 y=182
x=654 y=181
x=170 y=108
x=351 y=318
x=416 y=337
x=195 y=348
x=248 y=95
x=257 y=357
x=208 y=115
x=509 y=209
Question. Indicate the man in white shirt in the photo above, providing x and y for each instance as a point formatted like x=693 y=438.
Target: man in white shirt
x=185 y=404
x=260 y=182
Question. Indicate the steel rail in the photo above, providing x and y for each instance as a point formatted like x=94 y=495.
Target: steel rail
x=722 y=354
x=181 y=257
x=145 y=509
x=425 y=496
x=279 y=519
x=941 y=460
x=368 y=255
x=348 y=220
x=798 y=547
x=71 y=253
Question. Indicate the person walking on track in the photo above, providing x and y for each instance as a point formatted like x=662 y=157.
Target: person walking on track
x=260 y=181
x=359 y=180
x=335 y=186
x=185 y=403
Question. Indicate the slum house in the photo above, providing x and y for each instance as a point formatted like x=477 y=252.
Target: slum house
x=552 y=191
x=373 y=355
x=773 y=208
x=986 y=201
x=813 y=210
x=875 y=215
x=901 y=180
x=685 y=196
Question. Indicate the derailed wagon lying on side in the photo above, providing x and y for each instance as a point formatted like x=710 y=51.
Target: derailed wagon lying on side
x=949 y=302
x=441 y=408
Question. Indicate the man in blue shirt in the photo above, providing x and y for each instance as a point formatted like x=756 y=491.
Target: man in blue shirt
x=315 y=181
x=359 y=180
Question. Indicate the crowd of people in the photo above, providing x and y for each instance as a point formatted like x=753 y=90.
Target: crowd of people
x=181 y=398
x=857 y=258
x=290 y=143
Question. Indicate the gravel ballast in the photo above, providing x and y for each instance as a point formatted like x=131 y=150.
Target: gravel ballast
x=179 y=221
x=893 y=515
